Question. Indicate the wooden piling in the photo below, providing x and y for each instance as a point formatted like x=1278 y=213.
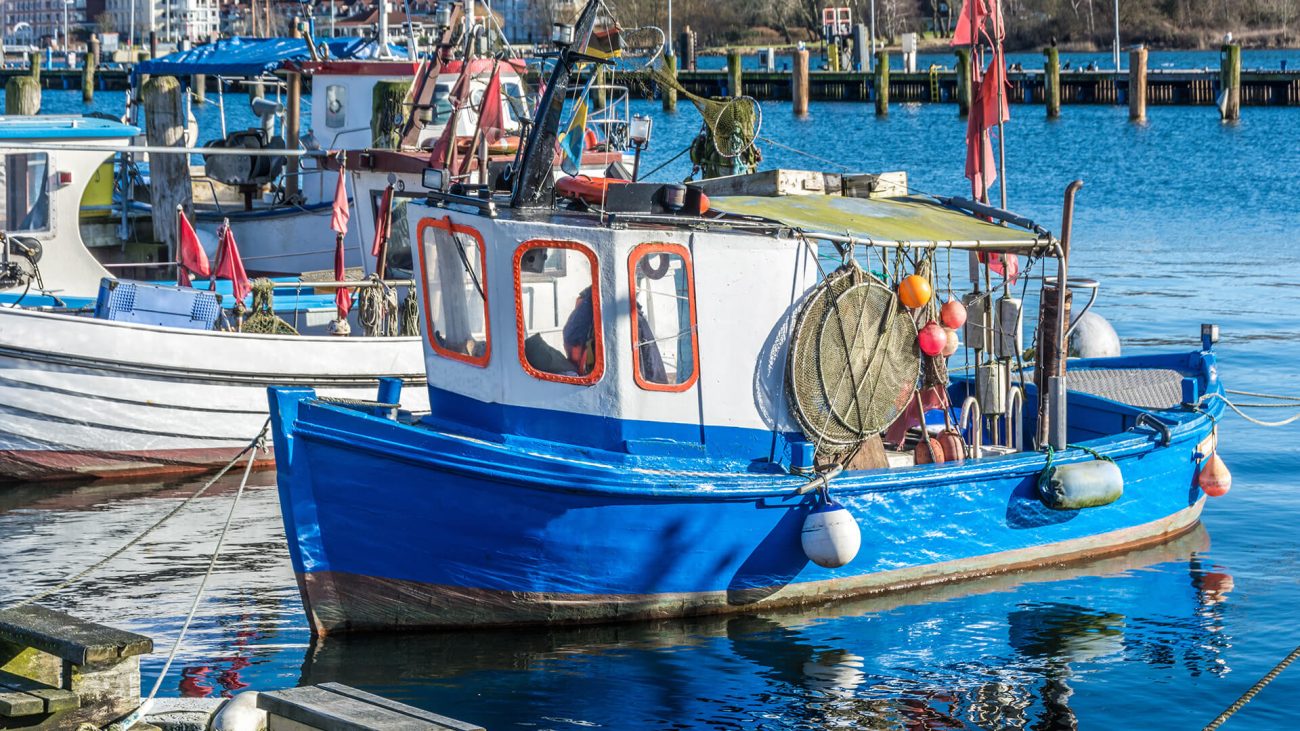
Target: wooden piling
x=668 y=92
x=199 y=84
x=882 y=83
x=1230 y=82
x=23 y=96
x=1137 y=84
x=34 y=65
x=88 y=70
x=963 y=81
x=386 y=123
x=833 y=56
x=799 y=83
x=735 y=75
x=164 y=116
x=1052 y=82
x=599 y=97
x=688 y=49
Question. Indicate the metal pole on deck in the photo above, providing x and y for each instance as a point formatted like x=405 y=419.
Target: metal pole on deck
x=1116 y=36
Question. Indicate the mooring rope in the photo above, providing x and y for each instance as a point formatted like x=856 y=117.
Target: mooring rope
x=1254 y=690
x=133 y=717
x=141 y=536
x=1238 y=409
x=1255 y=394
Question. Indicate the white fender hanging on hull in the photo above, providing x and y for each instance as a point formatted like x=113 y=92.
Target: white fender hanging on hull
x=831 y=537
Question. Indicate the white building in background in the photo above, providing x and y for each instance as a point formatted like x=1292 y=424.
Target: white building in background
x=529 y=21
x=172 y=20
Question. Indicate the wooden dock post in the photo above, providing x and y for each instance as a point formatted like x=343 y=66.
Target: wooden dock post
x=34 y=65
x=799 y=83
x=1137 y=84
x=833 y=56
x=882 y=83
x=599 y=95
x=669 y=94
x=735 y=75
x=88 y=70
x=688 y=49
x=199 y=85
x=1052 y=82
x=387 y=110
x=164 y=116
x=963 y=81
x=1230 y=82
x=23 y=96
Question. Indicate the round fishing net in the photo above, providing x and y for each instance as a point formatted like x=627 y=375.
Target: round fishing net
x=734 y=123
x=854 y=362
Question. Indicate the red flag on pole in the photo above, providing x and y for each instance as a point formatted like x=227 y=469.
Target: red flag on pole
x=339 y=222
x=444 y=150
x=190 y=255
x=961 y=31
x=988 y=108
x=382 y=222
x=490 y=117
x=229 y=264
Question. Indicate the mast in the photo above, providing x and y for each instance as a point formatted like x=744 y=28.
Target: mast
x=532 y=184
x=382 y=51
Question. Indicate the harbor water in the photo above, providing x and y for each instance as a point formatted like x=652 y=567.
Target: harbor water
x=1183 y=220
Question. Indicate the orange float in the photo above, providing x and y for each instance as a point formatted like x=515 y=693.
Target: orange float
x=914 y=291
x=586 y=188
x=1215 y=480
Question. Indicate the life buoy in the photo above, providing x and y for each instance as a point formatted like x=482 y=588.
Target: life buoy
x=590 y=138
x=656 y=272
x=585 y=188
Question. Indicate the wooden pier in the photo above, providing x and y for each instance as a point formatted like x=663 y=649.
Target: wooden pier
x=104 y=78
x=1163 y=86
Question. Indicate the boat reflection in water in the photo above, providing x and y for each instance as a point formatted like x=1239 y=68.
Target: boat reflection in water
x=1010 y=651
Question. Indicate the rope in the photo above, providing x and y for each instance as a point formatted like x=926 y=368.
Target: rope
x=1254 y=689
x=341 y=401
x=133 y=717
x=1046 y=475
x=1244 y=415
x=86 y=571
x=796 y=150
x=377 y=309
x=667 y=162
x=409 y=315
x=1262 y=395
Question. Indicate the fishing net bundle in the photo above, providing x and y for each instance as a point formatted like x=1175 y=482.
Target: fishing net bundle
x=264 y=320
x=853 y=363
x=733 y=123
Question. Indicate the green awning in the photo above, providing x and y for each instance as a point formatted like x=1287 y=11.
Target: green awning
x=911 y=219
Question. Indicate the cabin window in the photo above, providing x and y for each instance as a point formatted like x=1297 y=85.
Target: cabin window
x=452 y=266
x=558 y=301
x=24 y=178
x=665 y=354
x=336 y=106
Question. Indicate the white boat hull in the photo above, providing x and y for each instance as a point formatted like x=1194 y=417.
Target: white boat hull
x=81 y=397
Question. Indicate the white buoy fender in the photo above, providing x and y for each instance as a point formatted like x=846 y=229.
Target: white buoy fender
x=831 y=537
x=1082 y=485
x=1093 y=337
x=240 y=714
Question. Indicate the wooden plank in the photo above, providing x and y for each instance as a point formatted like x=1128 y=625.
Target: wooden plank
x=329 y=709
x=16 y=703
x=75 y=640
x=446 y=722
x=53 y=700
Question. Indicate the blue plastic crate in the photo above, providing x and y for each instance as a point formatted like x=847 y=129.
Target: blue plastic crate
x=157 y=304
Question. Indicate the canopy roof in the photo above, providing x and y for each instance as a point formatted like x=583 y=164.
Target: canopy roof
x=256 y=56
x=911 y=219
x=63 y=127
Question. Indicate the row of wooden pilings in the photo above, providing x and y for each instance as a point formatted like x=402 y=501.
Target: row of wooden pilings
x=23 y=93
x=877 y=86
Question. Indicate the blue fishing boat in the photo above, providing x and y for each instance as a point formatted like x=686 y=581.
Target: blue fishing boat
x=656 y=404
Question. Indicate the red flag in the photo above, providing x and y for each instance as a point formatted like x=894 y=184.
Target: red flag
x=189 y=252
x=993 y=105
x=382 y=221
x=339 y=219
x=961 y=35
x=439 y=155
x=342 y=296
x=229 y=264
x=987 y=110
x=490 y=118
x=931 y=398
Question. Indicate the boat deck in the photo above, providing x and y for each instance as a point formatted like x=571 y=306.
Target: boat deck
x=1144 y=388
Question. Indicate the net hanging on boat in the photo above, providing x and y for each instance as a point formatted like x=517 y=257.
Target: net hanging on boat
x=854 y=362
x=734 y=123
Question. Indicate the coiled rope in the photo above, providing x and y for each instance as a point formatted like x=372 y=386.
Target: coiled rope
x=1254 y=690
x=69 y=581
x=134 y=716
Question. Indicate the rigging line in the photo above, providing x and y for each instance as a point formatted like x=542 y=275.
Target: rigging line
x=1246 y=416
x=84 y=572
x=774 y=143
x=1239 y=392
x=668 y=161
x=133 y=717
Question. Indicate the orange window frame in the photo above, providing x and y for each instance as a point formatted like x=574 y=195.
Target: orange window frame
x=453 y=229
x=634 y=258
x=598 y=368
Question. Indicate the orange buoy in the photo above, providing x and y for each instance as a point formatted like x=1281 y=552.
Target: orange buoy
x=952 y=314
x=1215 y=480
x=914 y=291
x=954 y=449
x=928 y=451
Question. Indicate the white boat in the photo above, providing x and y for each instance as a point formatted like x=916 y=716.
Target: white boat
x=85 y=396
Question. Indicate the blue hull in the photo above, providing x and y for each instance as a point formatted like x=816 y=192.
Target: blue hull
x=395 y=525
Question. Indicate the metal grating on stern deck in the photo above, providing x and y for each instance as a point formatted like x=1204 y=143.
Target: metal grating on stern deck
x=1145 y=388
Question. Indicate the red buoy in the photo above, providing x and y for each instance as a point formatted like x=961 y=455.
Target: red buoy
x=932 y=338
x=1215 y=480
x=952 y=314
